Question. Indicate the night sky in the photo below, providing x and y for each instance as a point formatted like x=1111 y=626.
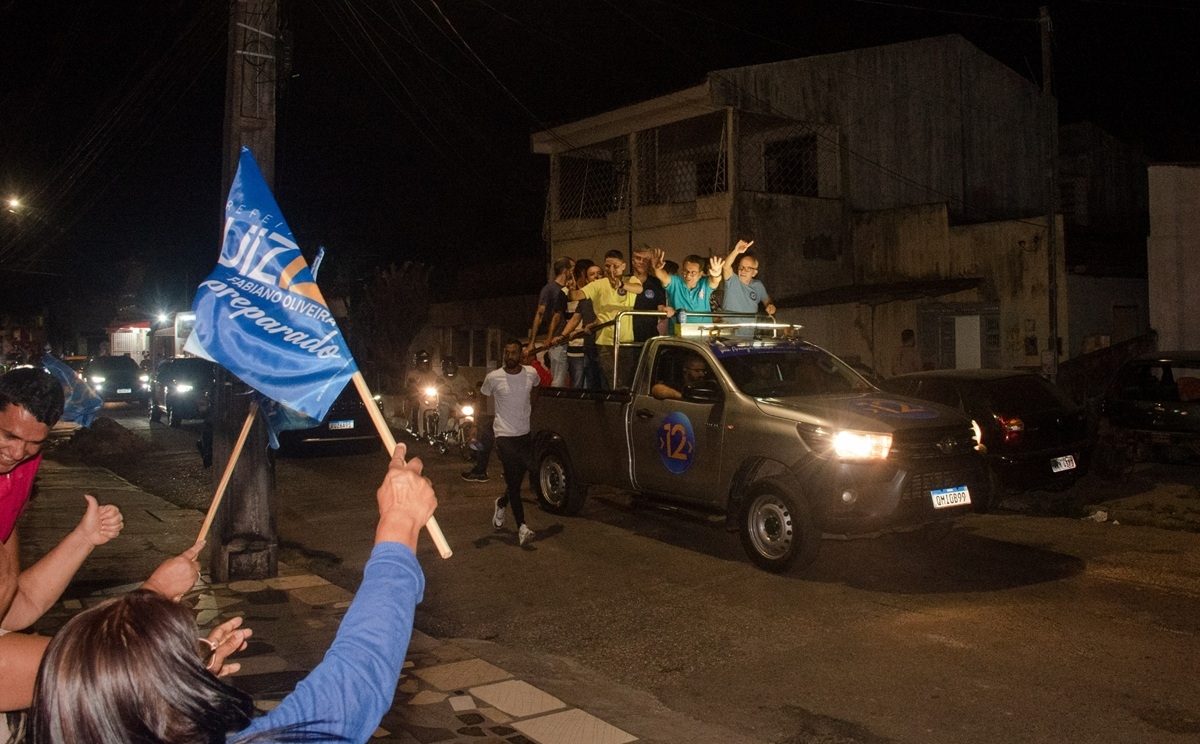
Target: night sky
x=403 y=129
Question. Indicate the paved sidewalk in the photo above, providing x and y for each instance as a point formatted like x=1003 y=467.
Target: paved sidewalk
x=446 y=693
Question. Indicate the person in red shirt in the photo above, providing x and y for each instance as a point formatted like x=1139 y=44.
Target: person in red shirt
x=31 y=402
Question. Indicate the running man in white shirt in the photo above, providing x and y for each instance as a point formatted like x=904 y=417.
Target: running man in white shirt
x=511 y=388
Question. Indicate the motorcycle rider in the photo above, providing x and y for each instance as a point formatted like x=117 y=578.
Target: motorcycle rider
x=453 y=389
x=420 y=376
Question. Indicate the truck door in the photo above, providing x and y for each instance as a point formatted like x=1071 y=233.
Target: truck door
x=676 y=431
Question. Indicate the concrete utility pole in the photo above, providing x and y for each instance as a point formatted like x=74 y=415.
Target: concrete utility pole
x=243 y=541
x=1050 y=108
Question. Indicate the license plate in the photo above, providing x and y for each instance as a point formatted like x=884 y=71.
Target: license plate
x=946 y=497
x=1059 y=464
x=124 y=390
x=341 y=424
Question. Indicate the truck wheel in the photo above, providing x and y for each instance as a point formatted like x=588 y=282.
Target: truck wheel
x=557 y=490
x=777 y=529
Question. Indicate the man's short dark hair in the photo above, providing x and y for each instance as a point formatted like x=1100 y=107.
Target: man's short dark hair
x=35 y=390
x=563 y=263
x=693 y=258
x=614 y=253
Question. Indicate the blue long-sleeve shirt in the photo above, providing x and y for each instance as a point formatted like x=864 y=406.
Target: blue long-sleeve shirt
x=352 y=688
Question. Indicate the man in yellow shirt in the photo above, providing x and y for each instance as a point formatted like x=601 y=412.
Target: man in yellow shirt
x=615 y=293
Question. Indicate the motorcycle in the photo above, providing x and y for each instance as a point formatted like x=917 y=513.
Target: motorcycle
x=460 y=428
x=424 y=420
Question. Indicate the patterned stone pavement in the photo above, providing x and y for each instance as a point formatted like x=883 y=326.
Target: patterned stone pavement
x=446 y=694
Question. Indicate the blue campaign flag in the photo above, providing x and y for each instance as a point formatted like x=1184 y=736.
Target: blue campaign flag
x=82 y=402
x=260 y=314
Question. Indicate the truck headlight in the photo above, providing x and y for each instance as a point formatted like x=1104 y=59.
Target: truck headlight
x=861 y=445
x=846 y=444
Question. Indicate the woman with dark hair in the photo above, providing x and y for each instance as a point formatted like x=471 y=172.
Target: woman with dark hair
x=131 y=670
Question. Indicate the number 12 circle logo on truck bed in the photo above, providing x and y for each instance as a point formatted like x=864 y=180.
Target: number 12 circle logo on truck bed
x=676 y=443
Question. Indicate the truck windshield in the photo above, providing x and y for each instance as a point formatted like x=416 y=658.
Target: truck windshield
x=763 y=373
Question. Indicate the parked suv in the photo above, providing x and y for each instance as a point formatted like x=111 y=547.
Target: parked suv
x=1035 y=436
x=182 y=389
x=347 y=426
x=117 y=379
x=1152 y=411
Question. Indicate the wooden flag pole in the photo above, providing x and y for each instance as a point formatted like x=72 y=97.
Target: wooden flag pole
x=233 y=458
x=364 y=392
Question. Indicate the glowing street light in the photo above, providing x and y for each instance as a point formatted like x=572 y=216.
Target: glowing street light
x=13 y=203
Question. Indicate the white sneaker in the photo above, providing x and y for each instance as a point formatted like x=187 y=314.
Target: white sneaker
x=524 y=534
x=498 y=517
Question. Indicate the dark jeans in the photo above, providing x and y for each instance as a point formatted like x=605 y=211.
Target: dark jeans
x=516 y=455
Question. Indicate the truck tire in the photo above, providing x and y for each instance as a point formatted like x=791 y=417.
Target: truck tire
x=555 y=484
x=777 y=529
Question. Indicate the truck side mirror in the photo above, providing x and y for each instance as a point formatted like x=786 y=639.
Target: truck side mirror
x=707 y=391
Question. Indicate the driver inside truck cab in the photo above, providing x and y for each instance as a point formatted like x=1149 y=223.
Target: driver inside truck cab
x=678 y=375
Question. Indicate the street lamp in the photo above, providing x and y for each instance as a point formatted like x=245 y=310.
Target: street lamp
x=13 y=203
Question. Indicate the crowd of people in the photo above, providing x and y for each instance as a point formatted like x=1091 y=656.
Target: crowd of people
x=131 y=669
x=576 y=320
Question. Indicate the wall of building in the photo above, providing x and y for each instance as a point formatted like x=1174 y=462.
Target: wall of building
x=1105 y=311
x=799 y=241
x=1173 y=250
x=703 y=237
x=923 y=121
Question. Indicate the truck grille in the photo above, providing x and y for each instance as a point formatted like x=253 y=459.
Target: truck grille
x=940 y=441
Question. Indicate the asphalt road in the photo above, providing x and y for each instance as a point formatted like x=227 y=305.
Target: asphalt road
x=1016 y=628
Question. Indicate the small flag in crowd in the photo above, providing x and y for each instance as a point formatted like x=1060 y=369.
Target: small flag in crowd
x=82 y=402
x=260 y=314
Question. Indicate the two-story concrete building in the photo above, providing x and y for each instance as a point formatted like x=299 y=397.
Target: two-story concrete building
x=901 y=186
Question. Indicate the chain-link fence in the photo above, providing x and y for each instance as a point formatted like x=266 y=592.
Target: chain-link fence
x=784 y=156
x=679 y=164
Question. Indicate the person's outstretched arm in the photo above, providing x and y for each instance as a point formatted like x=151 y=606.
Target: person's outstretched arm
x=352 y=688
x=741 y=247
x=40 y=585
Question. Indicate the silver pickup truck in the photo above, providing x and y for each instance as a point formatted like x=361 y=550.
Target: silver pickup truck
x=779 y=436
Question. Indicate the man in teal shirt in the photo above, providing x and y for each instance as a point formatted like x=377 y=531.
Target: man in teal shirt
x=686 y=292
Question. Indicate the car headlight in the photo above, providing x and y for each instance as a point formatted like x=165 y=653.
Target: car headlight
x=183 y=387
x=861 y=445
x=468 y=410
x=97 y=379
x=144 y=378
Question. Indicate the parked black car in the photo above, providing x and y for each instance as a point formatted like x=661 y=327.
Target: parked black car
x=1152 y=411
x=347 y=427
x=182 y=389
x=1035 y=436
x=117 y=379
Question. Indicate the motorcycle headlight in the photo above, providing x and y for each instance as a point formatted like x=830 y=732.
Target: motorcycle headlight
x=183 y=387
x=468 y=410
x=430 y=391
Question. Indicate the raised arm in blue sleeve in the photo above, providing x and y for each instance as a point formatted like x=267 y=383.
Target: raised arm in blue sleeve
x=353 y=686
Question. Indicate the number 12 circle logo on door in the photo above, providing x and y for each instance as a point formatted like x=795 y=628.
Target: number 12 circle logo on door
x=676 y=443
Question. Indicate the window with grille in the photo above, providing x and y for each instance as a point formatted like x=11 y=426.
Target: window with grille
x=592 y=181
x=790 y=166
x=682 y=161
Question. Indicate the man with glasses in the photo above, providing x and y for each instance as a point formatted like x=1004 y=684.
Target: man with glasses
x=743 y=290
x=686 y=293
x=695 y=371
